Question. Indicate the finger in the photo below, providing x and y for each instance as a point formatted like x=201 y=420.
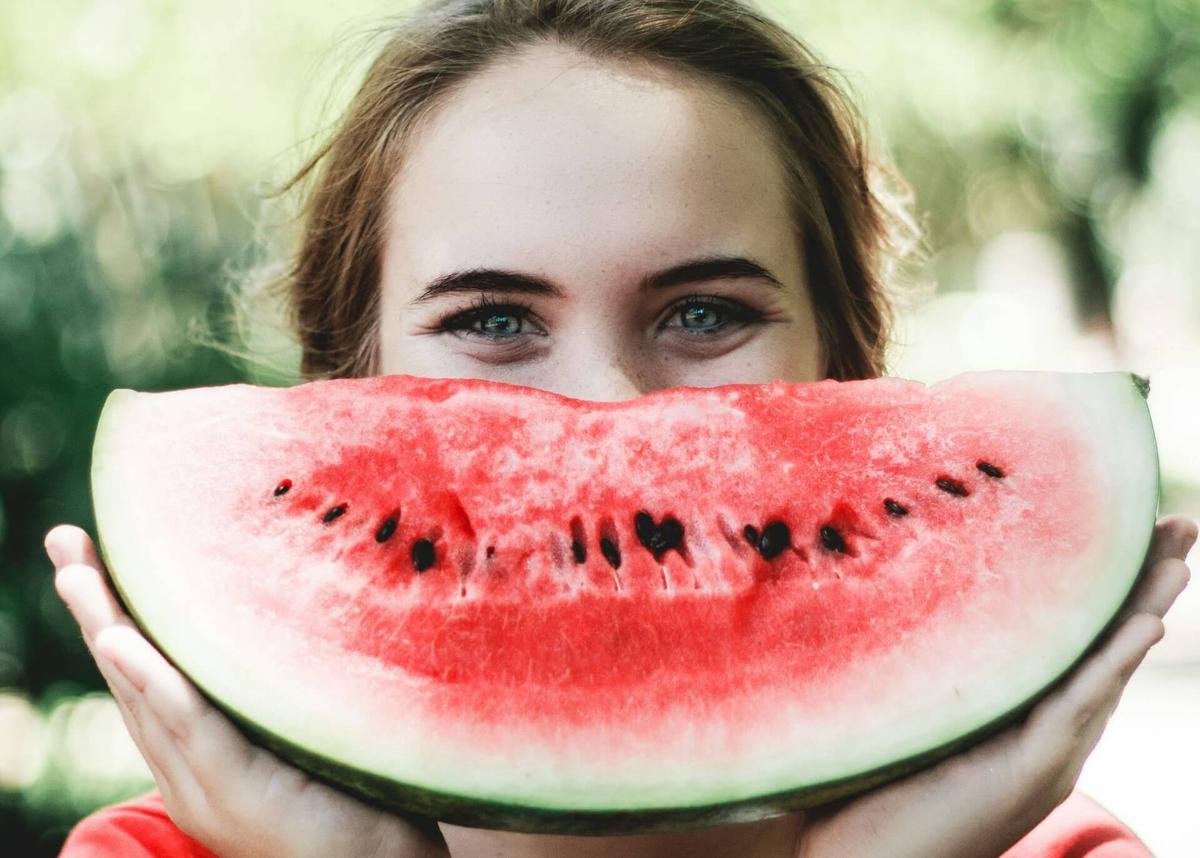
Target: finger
x=82 y=590
x=158 y=744
x=1069 y=721
x=153 y=683
x=66 y=543
x=89 y=599
x=140 y=730
x=1160 y=589
x=173 y=699
x=81 y=584
x=1188 y=532
x=1173 y=536
x=208 y=742
x=124 y=695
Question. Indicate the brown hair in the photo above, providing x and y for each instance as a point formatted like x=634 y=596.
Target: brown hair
x=850 y=227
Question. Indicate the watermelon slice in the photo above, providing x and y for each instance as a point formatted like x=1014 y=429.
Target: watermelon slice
x=501 y=607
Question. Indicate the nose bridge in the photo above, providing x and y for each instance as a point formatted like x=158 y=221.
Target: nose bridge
x=607 y=372
x=617 y=386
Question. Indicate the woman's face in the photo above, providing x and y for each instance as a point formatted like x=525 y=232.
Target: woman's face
x=631 y=224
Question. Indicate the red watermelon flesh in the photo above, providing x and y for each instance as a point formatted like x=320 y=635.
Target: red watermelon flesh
x=501 y=606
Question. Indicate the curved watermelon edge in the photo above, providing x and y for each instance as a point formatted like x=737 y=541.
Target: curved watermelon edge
x=100 y=440
x=409 y=800
x=412 y=800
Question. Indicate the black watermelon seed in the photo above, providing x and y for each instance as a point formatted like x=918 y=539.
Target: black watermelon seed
x=894 y=508
x=282 y=488
x=423 y=554
x=832 y=539
x=578 y=551
x=952 y=486
x=610 y=552
x=751 y=535
x=334 y=513
x=657 y=537
x=775 y=538
x=386 y=530
x=491 y=550
x=644 y=527
x=670 y=533
x=989 y=469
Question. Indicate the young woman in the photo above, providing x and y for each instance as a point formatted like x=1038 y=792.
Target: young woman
x=600 y=198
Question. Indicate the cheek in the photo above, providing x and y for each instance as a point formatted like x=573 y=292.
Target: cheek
x=790 y=354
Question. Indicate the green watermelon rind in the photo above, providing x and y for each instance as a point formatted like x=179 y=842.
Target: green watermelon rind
x=413 y=800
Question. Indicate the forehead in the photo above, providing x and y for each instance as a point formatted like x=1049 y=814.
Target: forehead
x=550 y=153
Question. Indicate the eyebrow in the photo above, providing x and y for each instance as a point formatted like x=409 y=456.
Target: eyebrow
x=701 y=270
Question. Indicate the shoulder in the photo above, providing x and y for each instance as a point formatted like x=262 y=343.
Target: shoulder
x=138 y=828
x=1079 y=828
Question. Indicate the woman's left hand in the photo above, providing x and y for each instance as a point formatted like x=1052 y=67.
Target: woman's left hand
x=978 y=803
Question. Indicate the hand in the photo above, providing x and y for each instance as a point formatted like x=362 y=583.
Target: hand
x=979 y=803
x=235 y=798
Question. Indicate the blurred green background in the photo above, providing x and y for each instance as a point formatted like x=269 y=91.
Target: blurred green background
x=1053 y=145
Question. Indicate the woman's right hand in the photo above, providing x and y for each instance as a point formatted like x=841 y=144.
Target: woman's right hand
x=981 y=801
x=233 y=797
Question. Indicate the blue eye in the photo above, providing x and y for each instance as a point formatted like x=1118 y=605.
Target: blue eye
x=704 y=316
x=699 y=317
x=505 y=322
x=496 y=321
x=508 y=324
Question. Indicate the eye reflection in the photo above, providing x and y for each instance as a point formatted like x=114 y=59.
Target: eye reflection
x=701 y=314
x=507 y=324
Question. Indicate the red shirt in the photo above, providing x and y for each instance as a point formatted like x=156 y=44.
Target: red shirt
x=1078 y=828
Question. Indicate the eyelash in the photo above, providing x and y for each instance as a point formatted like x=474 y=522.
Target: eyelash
x=484 y=307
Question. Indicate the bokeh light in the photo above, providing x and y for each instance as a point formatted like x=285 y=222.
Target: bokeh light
x=23 y=756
